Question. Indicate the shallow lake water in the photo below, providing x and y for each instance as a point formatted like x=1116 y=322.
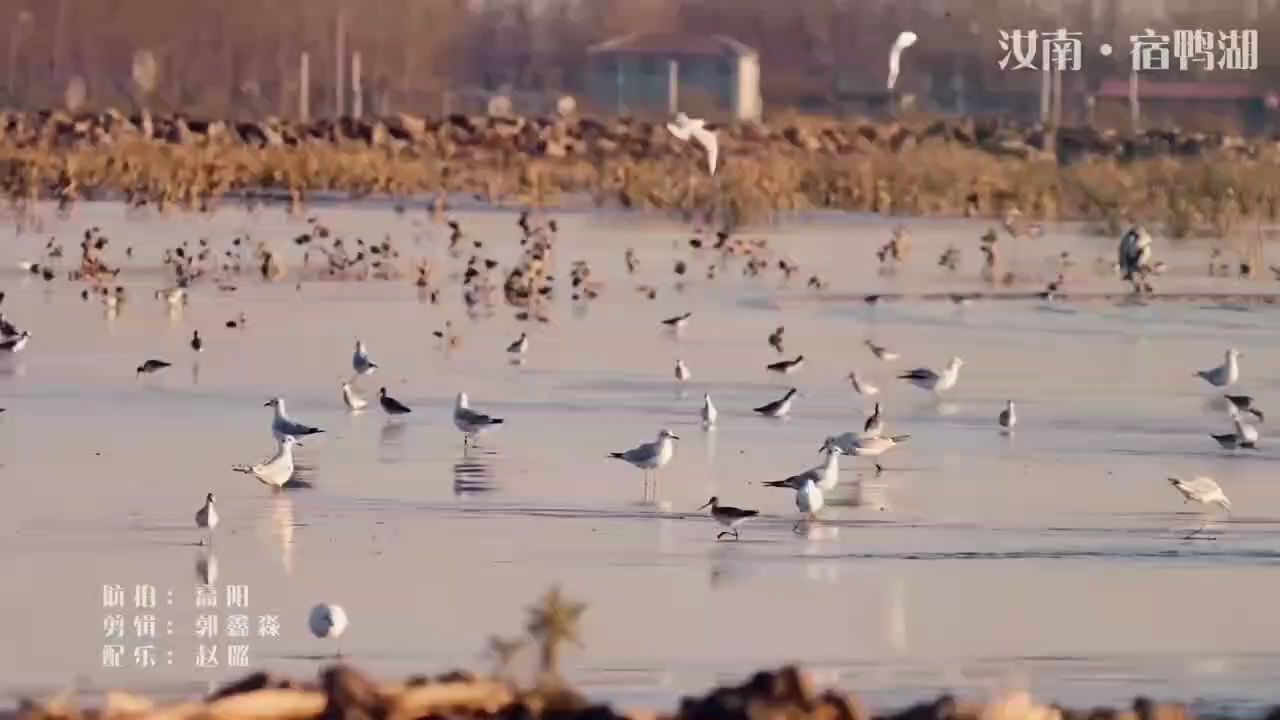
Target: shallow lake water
x=1057 y=559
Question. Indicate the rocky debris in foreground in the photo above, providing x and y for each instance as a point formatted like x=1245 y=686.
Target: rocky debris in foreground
x=344 y=693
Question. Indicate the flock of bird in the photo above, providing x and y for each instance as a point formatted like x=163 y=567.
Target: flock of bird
x=524 y=287
x=1134 y=263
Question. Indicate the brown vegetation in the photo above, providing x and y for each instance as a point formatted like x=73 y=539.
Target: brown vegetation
x=1191 y=183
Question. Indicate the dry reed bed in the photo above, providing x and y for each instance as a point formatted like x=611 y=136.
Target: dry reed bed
x=1191 y=185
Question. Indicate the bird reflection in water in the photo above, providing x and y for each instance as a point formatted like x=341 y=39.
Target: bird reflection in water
x=391 y=434
x=473 y=473
x=304 y=474
x=727 y=567
x=277 y=525
x=207 y=566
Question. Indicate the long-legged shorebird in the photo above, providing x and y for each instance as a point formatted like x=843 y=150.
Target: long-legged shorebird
x=786 y=367
x=151 y=366
x=936 y=382
x=778 y=408
x=391 y=405
x=729 y=517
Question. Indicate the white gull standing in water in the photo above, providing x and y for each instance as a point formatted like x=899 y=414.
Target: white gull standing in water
x=282 y=425
x=471 y=422
x=651 y=455
x=682 y=371
x=1225 y=374
x=277 y=470
x=1008 y=417
x=709 y=411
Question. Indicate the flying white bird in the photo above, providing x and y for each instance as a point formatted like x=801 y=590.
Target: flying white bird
x=685 y=128
x=1202 y=490
x=863 y=446
x=360 y=361
x=904 y=41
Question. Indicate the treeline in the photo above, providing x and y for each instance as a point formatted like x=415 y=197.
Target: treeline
x=240 y=58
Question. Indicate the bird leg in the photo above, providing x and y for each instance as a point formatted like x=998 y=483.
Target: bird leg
x=726 y=532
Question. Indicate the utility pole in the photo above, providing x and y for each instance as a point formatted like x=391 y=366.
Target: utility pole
x=304 y=87
x=1135 y=111
x=340 y=53
x=357 y=87
x=673 y=86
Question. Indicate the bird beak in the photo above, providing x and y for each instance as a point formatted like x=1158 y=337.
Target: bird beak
x=675 y=437
x=707 y=505
x=266 y=404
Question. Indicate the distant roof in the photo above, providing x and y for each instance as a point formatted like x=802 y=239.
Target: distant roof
x=1117 y=88
x=674 y=44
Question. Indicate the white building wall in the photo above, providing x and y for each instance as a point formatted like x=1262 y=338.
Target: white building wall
x=747 y=101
